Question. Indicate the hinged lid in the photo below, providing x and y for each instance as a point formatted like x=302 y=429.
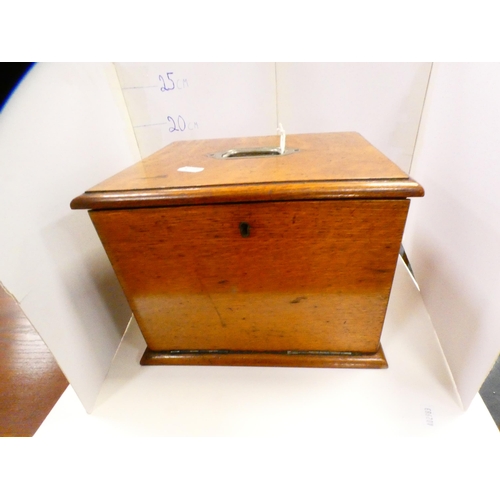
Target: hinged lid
x=315 y=166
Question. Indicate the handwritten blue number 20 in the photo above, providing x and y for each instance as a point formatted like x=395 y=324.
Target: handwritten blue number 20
x=178 y=126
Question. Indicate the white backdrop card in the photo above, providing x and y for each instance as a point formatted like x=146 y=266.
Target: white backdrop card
x=170 y=102
x=453 y=235
x=381 y=101
x=65 y=129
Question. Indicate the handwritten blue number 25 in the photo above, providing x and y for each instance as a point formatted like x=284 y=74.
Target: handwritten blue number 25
x=164 y=88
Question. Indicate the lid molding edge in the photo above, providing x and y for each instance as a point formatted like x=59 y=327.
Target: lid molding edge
x=241 y=193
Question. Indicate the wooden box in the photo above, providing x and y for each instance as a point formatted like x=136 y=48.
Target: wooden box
x=231 y=253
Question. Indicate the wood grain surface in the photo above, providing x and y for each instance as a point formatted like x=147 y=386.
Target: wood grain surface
x=327 y=166
x=331 y=156
x=310 y=273
x=331 y=190
x=31 y=382
x=312 y=276
x=286 y=359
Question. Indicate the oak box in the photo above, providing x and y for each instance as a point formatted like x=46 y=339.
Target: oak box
x=235 y=252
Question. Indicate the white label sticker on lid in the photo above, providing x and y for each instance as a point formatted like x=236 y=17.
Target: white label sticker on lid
x=193 y=170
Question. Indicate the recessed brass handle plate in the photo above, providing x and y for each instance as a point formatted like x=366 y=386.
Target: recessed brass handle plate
x=232 y=154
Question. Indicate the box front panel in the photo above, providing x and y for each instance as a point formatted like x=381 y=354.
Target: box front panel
x=281 y=276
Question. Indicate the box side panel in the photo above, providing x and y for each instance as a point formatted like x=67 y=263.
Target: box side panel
x=302 y=276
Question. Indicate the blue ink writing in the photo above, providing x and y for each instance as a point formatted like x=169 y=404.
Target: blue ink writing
x=164 y=87
x=172 y=83
x=180 y=125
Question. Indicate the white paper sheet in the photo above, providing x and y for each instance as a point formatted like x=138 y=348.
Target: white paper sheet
x=171 y=102
x=65 y=128
x=381 y=101
x=452 y=235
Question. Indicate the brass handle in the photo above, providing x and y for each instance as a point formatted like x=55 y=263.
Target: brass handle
x=231 y=154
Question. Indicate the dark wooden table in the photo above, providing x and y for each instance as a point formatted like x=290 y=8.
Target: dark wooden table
x=31 y=382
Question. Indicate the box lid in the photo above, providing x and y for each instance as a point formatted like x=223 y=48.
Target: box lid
x=316 y=166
